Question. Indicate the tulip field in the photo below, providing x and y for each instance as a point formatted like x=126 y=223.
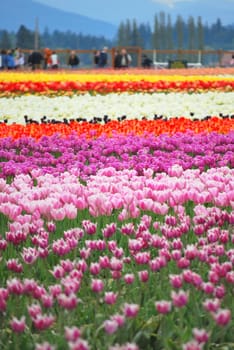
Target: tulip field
x=116 y=209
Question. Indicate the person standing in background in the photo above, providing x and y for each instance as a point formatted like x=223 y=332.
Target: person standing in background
x=103 y=58
x=126 y=59
x=122 y=59
x=117 y=59
x=47 y=58
x=3 y=63
x=232 y=61
x=19 y=59
x=73 y=60
x=96 y=56
x=35 y=59
x=10 y=59
x=54 y=60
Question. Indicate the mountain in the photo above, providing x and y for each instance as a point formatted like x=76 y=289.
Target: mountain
x=25 y=12
x=144 y=10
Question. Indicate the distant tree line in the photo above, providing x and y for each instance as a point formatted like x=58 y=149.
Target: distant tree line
x=190 y=34
x=25 y=39
x=164 y=34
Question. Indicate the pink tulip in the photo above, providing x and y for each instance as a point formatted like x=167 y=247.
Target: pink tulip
x=29 y=255
x=55 y=290
x=127 y=346
x=128 y=229
x=15 y=286
x=208 y=287
x=211 y=305
x=129 y=278
x=109 y=230
x=201 y=335
x=230 y=277
x=176 y=280
x=143 y=275
x=120 y=319
x=183 y=263
x=104 y=262
x=67 y=265
x=224 y=236
x=176 y=254
x=142 y=258
x=213 y=277
x=96 y=244
x=97 y=285
x=58 y=214
x=176 y=171
x=112 y=245
x=3 y=244
x=116 y=275
x=222 y=317
x=135 y=244
x=71 y=285
x=72 y=333
x=70 y=211
x=180 y=298
x=45 y=346
x=116 y=264
x=220 y=291
x=110 y=298
x=192 y=345
x=177 y=244
x=51 y=226
x=163 y=306
x=47 y=300
x=110 y=326
x=79 y=344
x=85 y=253
x=131 y=310
x=4 y=294
x=14 y=265
x=61 y=247
x=89 y=227
x=16 y=237
x=18 y=325
x=191 y=252
x=34 y=310
x=58 y=272
x=95 y=268
x=42 y=322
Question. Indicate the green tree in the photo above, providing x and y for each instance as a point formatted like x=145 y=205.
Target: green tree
x=179 y=32
x=169 y=34
x=155 y=34
x=121 y=39
x=162 y=30
x=146 y=35
x=5 y=40
x=136 y=38
x=24 y=38
x=200 y=34
x=128 y=33
x=191 y=33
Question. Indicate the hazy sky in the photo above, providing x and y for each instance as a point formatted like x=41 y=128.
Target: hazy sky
x=115 y=11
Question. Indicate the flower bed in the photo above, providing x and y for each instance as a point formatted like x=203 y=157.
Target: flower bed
x=116 y=223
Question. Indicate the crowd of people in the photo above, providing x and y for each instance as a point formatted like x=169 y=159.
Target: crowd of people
x=49 y=59
x=12 y=59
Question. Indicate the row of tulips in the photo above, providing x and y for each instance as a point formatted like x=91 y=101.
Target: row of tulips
x=84 y=157
x=116 y=234
x=114 y=106
x=111 y=75
x=93 y=129
x=69 y=88
x=141 y=268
